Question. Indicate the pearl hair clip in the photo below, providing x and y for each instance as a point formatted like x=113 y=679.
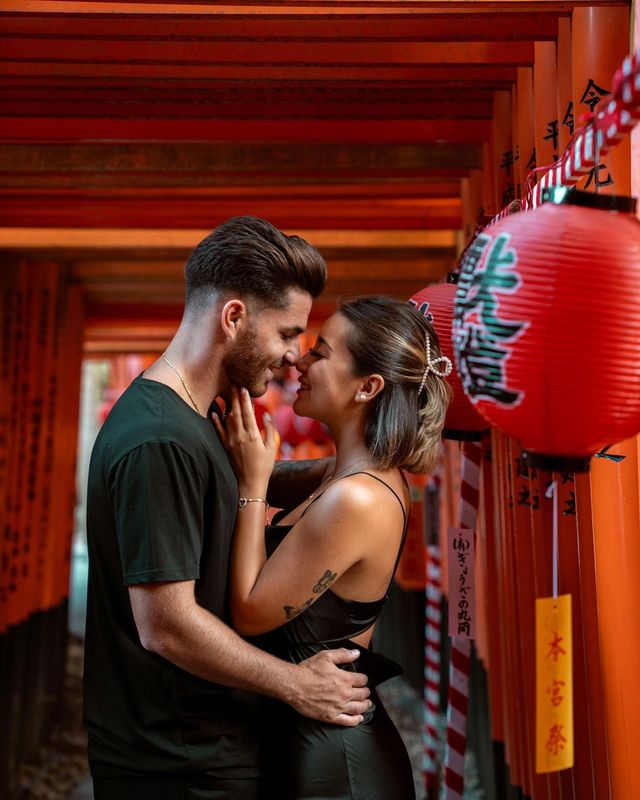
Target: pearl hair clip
x=431 y=365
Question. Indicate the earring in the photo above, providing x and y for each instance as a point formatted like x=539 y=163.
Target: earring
x=363 y=397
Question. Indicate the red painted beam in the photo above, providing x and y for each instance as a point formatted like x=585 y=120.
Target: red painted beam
x=45 y=106
x=349 y=215
x=245 y=53
x=437 y=190
x=239 y=162
x=366 y=25
x=300 y=7
x=35 y=129
x=229 y=92
x=487 y=76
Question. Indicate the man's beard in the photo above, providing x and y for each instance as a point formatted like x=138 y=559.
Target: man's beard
x=246 y=364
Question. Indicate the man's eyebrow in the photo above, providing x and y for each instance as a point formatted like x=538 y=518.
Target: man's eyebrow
x=325 y=342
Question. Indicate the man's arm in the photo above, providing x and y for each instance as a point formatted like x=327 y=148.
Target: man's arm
x=171 y=624
x=292 y=482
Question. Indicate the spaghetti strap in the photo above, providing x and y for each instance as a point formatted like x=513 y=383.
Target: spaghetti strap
x=405 y=518
x=384 y=483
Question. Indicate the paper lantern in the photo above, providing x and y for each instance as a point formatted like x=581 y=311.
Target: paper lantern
x=547 y=326
x=436 y=303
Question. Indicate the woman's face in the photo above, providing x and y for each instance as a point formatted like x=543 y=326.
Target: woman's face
x=328 y=386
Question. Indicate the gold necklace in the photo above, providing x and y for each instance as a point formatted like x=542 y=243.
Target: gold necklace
x=186 y=388
x=352 y=470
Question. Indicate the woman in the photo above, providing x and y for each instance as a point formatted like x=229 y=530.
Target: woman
x=320 y=576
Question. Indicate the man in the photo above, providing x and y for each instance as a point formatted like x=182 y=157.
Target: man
x=168 y=706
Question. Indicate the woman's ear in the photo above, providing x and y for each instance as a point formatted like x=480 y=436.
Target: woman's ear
x=232 y=317
x=370 y=386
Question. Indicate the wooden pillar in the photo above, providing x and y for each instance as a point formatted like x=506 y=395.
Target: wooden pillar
x=545 y=90
x=564 y=110
x=489 y=189
x=503 y=154
x=526 y=133
x=616 y=522
x=593 y=700
x=41 y=353
x=600 y=41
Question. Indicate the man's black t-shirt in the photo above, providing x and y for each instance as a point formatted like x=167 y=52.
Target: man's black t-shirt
x=161 y=506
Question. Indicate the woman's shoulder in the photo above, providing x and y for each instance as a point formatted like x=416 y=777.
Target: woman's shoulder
x=371 y=495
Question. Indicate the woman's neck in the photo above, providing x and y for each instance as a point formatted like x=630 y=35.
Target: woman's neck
x=351 y=451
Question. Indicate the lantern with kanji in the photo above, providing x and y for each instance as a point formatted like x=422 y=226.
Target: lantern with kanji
x=436 y=303
x=547 y=326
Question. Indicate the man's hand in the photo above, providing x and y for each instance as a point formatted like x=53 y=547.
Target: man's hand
x=329 y=694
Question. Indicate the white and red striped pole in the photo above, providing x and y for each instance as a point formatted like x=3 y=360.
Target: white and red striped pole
x=432 y=646
x=459 y=667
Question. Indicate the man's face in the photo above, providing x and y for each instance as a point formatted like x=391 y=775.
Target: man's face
x=269 y=341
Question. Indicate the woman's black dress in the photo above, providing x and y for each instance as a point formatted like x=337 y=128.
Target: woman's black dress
x=310 y=760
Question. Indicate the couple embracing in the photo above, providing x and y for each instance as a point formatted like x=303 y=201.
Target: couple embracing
x=227 y=656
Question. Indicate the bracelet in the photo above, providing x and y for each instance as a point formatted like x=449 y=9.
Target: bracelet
x=242 y=502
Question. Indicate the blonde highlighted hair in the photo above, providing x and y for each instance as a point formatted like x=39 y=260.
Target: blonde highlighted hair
x=404 y=425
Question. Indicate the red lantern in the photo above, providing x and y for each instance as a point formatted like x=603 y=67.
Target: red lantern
x=547 y=326
x=436 y=303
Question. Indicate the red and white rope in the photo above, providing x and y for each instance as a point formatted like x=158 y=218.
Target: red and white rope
x=432 y=648
x=459 y=667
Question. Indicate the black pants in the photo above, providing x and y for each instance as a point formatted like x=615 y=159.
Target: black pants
x=194 y=787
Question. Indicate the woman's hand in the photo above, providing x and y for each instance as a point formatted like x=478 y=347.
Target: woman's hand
x=252 y=457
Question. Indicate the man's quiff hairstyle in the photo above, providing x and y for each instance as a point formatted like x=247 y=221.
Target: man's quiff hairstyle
x=250 y=257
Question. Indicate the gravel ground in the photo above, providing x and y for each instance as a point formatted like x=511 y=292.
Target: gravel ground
x=405 y=705
x=61 y=764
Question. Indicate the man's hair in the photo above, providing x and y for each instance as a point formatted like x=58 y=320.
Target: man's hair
x=249 y=256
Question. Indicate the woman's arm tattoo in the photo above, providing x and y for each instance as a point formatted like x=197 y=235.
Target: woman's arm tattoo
x=324 y=583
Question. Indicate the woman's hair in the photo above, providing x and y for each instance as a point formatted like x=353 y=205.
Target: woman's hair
x=404 y=425
x=250 y=256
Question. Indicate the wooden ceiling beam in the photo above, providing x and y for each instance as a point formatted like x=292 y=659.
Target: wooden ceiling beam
x=240 y=159
x=311 y=7
x=64 y=129
x=60 y=242
x=189 y=51
x=431 y=193
x=200 y=205
x=97 y=214
x=232 y=92
x=361 y=26
x=280 y=184
x=426 y=74
x=266 y=109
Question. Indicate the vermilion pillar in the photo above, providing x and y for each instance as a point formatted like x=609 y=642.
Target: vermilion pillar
x=616 y=521
x=600 y=41
x=547 y=124
x=565 y=84
x=596 y=54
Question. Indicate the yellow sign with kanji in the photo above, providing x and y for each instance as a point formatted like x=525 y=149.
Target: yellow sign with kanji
x=554 y=684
